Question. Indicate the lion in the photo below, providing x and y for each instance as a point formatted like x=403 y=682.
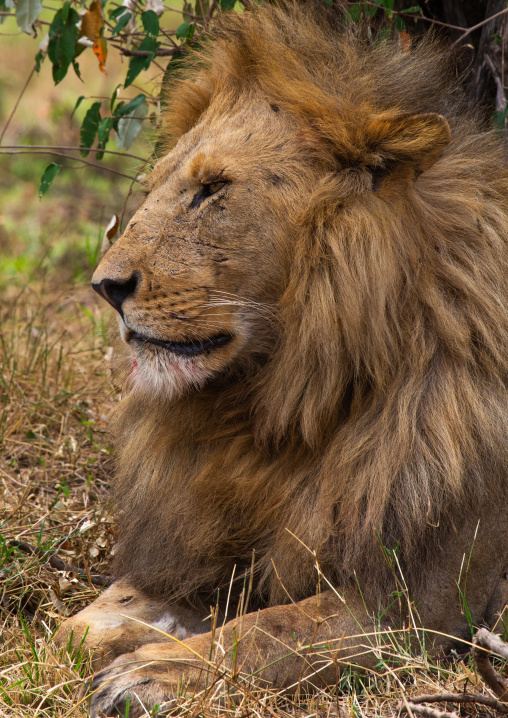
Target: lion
x=312 y=302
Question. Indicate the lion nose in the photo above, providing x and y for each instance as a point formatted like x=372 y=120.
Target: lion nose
x=116 y=292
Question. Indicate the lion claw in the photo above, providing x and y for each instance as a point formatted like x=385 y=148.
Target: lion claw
x=117 y=687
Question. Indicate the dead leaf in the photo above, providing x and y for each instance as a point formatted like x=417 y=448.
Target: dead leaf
x=100 y=50
x=110 y=234
x=91 y=22
x=59 y=605
x=405 y=41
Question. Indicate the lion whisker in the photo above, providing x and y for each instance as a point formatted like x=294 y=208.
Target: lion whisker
x=264 y=311
x=236 y=297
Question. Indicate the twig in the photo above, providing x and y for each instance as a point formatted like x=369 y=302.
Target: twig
x=189 y=14
x=161 y=52
x=487 y=641
x=460 y=698
x=477 y=26
x=410 y=707
x=500 y=98
x=412 y=16
x=73 y=148
x=98 y=579
x=23 y=89
x=211 y=10
x=69 y=157
x=431 y=20
x=484 y=643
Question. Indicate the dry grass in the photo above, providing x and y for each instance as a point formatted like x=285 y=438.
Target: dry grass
x=53 y=473
x=55 y=393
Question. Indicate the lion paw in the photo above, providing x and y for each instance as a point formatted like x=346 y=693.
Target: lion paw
x=127 y=683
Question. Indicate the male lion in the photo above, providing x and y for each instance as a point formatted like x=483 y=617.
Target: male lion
x=313 y=299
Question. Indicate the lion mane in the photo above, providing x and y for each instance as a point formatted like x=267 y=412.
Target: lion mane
x=372 y=416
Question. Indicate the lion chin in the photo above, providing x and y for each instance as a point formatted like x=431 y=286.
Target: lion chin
x=167 y=377
x=312 y=301
x=166 y=369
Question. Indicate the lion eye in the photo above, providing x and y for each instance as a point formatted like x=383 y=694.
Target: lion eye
x=206 y=190
x=214 y=187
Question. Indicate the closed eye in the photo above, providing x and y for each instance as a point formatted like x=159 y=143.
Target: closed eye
x=206 y=190
x=214 y=187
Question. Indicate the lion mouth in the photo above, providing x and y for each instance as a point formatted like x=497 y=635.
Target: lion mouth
x=186 y=348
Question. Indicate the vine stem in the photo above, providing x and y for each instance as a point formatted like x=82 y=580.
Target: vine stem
x=20 y=96
x=71 y=148
x=70 y=157
x=477 y=26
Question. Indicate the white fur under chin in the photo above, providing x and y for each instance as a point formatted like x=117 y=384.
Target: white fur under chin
x=162 y=374
x=168 y=376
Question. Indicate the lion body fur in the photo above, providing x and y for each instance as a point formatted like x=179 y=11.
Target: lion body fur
x=380 y=414
x=357 y=255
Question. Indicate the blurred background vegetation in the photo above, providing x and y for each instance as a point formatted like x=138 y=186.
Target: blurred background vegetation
x=45 y=104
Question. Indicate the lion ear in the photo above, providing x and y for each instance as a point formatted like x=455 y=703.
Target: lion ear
x=415 y=141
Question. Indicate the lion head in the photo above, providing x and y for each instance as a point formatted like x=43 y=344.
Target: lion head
x=199 y=270
x=312 y=298
x=207 y=261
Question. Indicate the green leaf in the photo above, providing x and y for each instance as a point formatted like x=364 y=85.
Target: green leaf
x=128 y=127
x=187 y=8
x=122 y=22
x=129 y=108
x=229 y=4
x=186 y=30
x=77 y=70
x=141 y=62
x=63 y=34
x=150 y=22
x=27 y=12
x=114 y=96
x=48 y=176
x=182 y=30
x=78 y=103
x=103 y=135
x=400 y=25
x=116 y=118
x=90 y=127
x=114 y=14
x=38 y=60
x=103 y=131
x=326 y=2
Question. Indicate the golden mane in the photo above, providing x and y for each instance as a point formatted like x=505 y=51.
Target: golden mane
x=381 y=411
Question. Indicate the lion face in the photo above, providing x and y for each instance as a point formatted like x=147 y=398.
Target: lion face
x=196 y=274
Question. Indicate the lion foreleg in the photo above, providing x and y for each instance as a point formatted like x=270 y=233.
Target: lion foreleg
x=116 y=623
x=304 y=644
